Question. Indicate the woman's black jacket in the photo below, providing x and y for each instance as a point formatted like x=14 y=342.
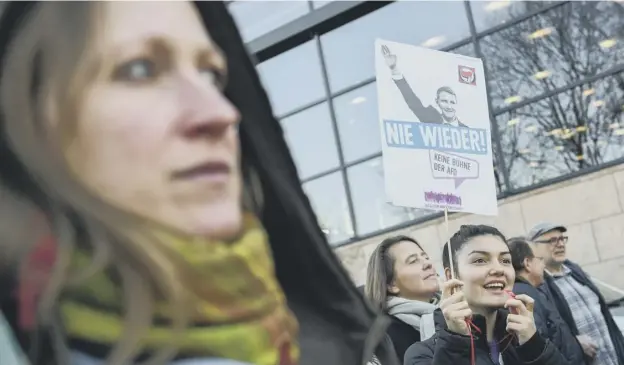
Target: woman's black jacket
x=448 y=348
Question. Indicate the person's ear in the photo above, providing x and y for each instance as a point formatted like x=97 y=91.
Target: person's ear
x=393 y=289
x=527 y=264
x=447 y=273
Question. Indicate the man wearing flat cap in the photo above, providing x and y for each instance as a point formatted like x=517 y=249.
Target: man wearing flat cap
x=578 y=300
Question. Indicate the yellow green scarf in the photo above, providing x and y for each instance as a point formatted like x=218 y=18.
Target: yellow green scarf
x=245 y=318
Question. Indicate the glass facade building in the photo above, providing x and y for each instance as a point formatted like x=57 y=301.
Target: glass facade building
x=555 y=74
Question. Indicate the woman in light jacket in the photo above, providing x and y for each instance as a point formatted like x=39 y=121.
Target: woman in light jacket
x=178 y=229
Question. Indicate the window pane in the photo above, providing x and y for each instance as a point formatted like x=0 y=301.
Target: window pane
x=311 y=139
x=372 y=210
x=488 y=14
x=349 y=49
x=293 y=78
x=329 y=200
x=576 y=129
x=358 y=122
x=256 y=18
x=553 y=49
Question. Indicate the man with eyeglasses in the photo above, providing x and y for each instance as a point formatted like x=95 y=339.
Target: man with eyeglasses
x=529 y=269
x=578 y=300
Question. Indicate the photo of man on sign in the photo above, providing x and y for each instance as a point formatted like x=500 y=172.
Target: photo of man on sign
x=446 y=98
x=432 y=158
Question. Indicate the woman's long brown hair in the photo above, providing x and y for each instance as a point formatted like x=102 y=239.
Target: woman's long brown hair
x=380 y=271
x=43 y=80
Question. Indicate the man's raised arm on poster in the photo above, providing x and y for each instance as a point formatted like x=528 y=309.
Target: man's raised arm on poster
x=445 y=97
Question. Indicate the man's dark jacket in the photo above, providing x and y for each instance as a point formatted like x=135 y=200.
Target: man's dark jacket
x=550 y=289
x=448 y=348
x=550 y=324
x=424 y=114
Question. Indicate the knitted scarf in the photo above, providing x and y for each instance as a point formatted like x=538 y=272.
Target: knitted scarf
x=409 y=311
x=241 y=311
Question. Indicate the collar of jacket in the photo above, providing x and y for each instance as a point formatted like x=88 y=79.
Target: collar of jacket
x=520 y=279
x=500 y=329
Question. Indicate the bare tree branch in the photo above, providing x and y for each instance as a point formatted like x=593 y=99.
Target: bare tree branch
x=572 y=130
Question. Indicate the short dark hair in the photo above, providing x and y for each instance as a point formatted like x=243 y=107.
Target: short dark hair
x=380 y=271
x=445 y=89
x=463 y=235
x=520 y=250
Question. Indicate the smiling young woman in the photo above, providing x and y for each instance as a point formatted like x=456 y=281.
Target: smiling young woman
x=178 y=227
x=479 y=322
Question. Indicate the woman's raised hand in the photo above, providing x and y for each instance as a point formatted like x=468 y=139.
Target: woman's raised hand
x=520 y=320
x=454 y=307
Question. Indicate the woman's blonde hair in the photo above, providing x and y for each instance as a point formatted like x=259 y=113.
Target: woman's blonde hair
x=44 y=75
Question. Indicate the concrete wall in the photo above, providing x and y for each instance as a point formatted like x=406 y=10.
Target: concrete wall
x=592 y=207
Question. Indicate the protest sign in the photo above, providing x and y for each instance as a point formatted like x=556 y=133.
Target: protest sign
x=435 y=129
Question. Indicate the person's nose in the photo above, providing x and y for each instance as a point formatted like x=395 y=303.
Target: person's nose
x=427 y=264
x=496 y=269
x=204 y=108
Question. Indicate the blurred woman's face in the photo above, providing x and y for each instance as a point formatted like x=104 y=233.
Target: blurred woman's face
x=154 y=134
x=414 y=275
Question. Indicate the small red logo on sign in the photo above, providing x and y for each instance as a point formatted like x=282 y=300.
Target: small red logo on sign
x=467 y=75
